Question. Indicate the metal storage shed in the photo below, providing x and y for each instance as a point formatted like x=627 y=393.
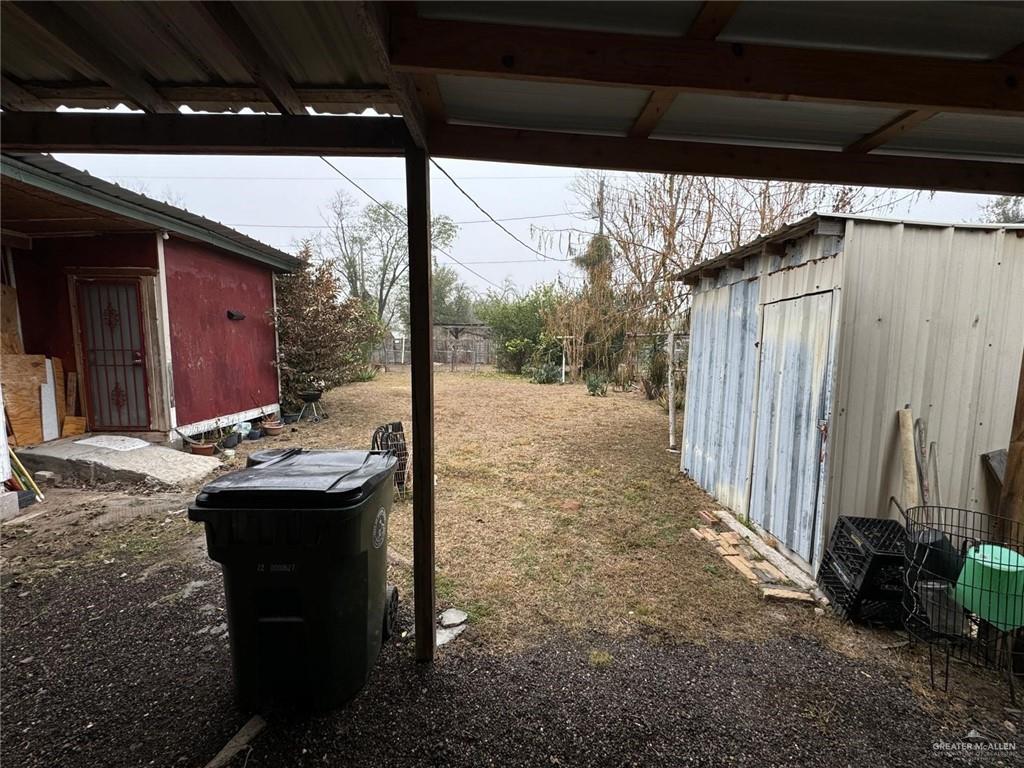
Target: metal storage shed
x=805 y=343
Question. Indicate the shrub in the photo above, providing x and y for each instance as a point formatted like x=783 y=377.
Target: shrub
x=546 y=373
x=517 y=325
x=323 y=340
x=597 y=384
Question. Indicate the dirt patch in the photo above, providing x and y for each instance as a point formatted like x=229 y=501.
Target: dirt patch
x=554 y=509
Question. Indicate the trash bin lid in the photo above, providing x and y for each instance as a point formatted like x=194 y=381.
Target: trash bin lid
x=301 y=479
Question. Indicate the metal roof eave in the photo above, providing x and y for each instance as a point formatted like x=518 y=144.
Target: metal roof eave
x=787 y=232
x=39 y=178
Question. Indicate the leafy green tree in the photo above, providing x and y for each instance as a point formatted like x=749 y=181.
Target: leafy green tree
x=453 y=299
x=517 y=324
x=323 y=339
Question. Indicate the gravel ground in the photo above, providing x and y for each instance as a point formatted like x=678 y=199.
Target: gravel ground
x=105 y=669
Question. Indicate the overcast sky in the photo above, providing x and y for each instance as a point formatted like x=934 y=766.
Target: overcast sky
x=279 y=200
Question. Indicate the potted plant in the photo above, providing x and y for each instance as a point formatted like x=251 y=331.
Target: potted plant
x=204 y=446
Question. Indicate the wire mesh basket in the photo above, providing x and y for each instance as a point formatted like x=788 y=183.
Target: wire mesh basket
x=963 y=590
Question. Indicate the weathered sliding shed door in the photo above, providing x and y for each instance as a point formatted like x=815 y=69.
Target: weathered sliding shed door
x=791 y=420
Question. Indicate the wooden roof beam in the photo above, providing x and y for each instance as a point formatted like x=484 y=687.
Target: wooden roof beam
x=909 y=120
x=891 y=130
x=13 y=239
x=657 y=105
x=711 y=19
x=652 y=63
x=202 y=134
x=238 y=37
x=72 y=41
x=425 y=87
x=14 y=98
x=707 y=159
x=372 y=21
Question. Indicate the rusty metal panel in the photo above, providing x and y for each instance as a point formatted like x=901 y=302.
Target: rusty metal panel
x=720 y=386
x=791 y=414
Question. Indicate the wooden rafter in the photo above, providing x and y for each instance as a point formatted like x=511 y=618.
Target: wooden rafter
x=245 y=47
x=657 y=105
x=370 y=21
x=202 y=134
x=74 y=42
x=707 y=159
x=912 y=118
x=891 y=130
x=613 y=59
x=711 y=19
x=707 y=25
x=14 y=98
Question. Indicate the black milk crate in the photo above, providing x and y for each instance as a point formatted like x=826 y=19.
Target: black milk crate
x=851 y=605
x=868 y=557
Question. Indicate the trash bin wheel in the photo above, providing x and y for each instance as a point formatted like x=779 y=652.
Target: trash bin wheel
x=390 y=612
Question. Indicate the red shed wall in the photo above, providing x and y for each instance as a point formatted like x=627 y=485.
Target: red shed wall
x=221 y=366
x=41 y=279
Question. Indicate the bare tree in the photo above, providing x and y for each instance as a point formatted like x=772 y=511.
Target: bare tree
x=657 y=225
x=370 y=250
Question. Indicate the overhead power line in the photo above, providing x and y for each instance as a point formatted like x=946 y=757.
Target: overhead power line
x=470 y=221
x=403 y=221
x=497 y=223
x=327 y=178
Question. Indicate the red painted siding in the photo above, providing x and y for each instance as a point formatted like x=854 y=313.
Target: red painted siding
x=221 y=366
x=43 y=289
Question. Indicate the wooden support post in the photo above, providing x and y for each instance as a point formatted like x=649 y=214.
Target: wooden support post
x=421 y=322
x=1011 y=501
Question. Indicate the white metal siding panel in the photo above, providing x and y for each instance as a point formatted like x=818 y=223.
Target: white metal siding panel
x=932 y=318
x=716 y=434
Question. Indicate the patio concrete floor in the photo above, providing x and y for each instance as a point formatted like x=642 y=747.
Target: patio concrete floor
x=75 y=457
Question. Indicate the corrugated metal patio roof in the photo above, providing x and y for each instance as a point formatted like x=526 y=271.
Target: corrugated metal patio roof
x=857 y=86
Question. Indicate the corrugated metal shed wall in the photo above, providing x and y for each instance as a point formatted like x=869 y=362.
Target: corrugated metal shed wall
x=792 y=399
x=717 y=425
x=933 y=317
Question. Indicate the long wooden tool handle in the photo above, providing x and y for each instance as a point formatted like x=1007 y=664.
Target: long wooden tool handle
x=24 y=475
x=908 y=456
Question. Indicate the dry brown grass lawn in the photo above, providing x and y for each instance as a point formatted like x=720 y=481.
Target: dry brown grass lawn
x=556 y=509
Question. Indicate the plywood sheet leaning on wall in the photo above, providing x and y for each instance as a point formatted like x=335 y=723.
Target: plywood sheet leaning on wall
x=10 y=331
x=58 y=389
x=71 y=407
x=73 y=425
x=22 y=376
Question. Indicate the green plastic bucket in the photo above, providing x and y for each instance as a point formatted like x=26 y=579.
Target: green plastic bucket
x=991 y=585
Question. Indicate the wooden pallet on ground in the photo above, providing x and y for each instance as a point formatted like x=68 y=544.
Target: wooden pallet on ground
x=744 y=559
